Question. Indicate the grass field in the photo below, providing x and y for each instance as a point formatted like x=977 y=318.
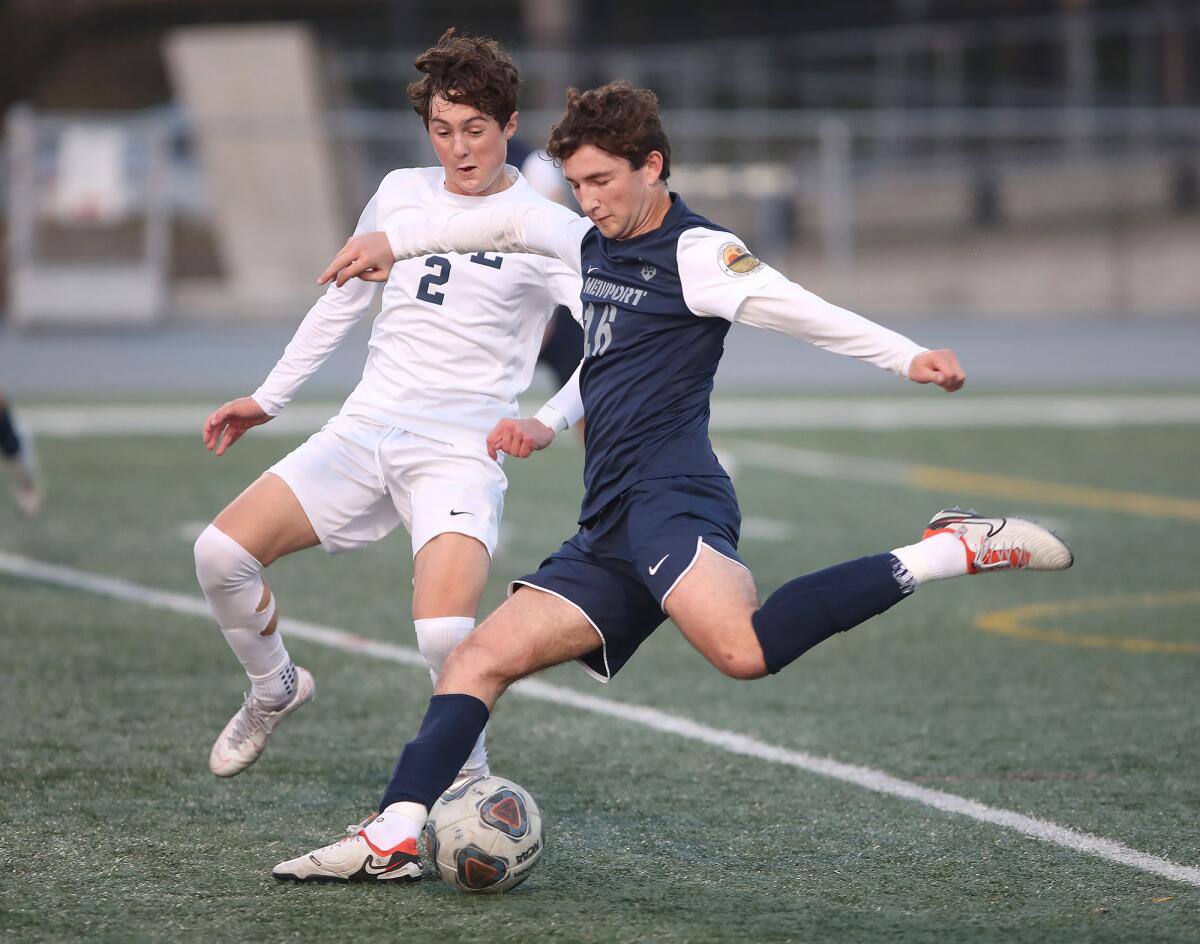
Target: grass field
x=1080 y=713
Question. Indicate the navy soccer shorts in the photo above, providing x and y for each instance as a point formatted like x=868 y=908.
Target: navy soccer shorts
x=620 y=567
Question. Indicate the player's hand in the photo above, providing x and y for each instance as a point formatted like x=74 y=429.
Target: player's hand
x=369 y=257
x=229 y=423
x=938 y=367
x=519 y=438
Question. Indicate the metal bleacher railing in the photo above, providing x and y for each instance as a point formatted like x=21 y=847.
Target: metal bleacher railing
x=832 y=182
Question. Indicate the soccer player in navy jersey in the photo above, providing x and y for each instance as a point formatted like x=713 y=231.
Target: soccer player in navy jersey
x=659 y=523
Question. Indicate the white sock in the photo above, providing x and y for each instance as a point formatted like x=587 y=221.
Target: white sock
x=396 y=825
x=276 y=689
x=934 y=558
x=437 y=638
x=231 y=579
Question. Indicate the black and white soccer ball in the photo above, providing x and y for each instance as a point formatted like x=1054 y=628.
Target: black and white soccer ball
x=485 y=836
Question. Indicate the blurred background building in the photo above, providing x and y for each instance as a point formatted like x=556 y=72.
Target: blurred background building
x=184 y=160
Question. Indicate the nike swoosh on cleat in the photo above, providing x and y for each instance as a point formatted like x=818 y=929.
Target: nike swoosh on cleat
x=654 y=570
x=376 y=867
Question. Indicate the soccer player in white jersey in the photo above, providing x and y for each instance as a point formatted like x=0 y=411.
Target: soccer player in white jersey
x=660 y=522
x=454 y=344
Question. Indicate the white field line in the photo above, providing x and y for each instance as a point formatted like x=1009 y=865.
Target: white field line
x=866 y=777
x=767 y=529
x=729 y=413
x=821 y=465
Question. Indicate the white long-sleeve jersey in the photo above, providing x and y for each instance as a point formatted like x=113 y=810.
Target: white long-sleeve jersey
x=458 y=335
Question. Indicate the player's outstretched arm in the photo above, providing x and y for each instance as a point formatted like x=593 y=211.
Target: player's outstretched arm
x=231 y=421
x=938 y=367
x=722 y=279
x=546 y=230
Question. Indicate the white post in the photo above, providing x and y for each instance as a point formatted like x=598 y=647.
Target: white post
x=22 y=212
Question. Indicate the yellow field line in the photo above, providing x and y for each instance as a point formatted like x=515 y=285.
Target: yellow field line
x=1018 y=622
x=843 y=468
x=1079 y=496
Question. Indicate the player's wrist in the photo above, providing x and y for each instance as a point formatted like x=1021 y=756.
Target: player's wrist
x=906 y=365
x=552 y=419
x=268 y=407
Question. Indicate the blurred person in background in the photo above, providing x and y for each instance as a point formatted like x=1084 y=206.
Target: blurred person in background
x=454 y=344
x=24 y=476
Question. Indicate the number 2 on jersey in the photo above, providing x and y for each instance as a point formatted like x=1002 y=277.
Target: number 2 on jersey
x=439 y=277
x=596 y=344
x=442 y=274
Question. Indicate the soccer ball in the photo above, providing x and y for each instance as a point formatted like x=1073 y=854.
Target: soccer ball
x=486 y=836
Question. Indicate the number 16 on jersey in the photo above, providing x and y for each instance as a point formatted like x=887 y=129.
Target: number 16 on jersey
x=595 y=344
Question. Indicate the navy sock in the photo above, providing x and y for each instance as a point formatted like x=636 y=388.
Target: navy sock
x=809 y=609
x=430 y=761
x=10 y=445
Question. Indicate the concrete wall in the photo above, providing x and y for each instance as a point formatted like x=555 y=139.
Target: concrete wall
x=254 y=97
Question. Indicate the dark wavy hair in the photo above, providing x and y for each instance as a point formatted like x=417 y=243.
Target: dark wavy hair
x=616 y=118
x=466 y=70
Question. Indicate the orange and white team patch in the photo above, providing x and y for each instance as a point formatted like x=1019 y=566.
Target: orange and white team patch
x=735 y=260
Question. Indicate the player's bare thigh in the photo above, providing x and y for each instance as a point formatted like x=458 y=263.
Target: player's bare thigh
x=449 y=574
x=267 y=520
x=530 y=631
x=713 y=605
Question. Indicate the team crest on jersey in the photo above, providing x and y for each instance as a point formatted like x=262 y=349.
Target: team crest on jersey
x=736 y=260
x=648 y=271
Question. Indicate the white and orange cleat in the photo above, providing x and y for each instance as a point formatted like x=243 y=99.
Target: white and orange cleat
x=994 y=544
x=354 y=859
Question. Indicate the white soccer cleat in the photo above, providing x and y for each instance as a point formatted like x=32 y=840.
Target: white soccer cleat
x=1002 y=543
x=245 y=737
x=354 y=859
x=25 y=478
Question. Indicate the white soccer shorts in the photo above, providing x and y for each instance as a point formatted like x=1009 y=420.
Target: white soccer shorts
x=357 y=479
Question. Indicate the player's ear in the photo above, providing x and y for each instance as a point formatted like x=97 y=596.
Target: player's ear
x=653 y=166
x=511 y=128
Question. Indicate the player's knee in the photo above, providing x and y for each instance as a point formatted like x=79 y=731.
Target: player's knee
x=478 y=664
x=744 y=664
x=221 y=563
x=211 y=561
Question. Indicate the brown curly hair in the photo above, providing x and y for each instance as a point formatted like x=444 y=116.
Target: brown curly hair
x=466 y=70
x=616 y=118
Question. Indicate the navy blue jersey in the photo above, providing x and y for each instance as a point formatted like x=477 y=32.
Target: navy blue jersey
x=649 y=359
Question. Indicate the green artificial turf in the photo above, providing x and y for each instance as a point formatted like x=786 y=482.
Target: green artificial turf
x=112 y=829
